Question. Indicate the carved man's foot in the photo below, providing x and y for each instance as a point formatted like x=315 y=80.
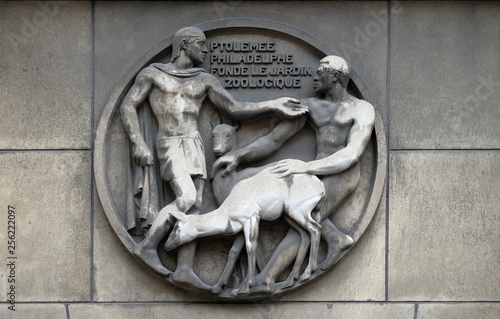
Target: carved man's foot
x=217 y=288
x=263 y=289
x=336 y=245
x=221 y=284
x=150 y=258
x=263 y=284
x=188 y=277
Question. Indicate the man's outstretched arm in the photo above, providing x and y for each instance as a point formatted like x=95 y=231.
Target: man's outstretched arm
x=359 y=135
x=137 y=94
x=284 y=107
x=261 y=148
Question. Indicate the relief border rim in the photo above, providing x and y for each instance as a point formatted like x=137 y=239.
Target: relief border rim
x=125 y=82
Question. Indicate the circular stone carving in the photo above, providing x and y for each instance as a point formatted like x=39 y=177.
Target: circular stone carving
x=301 y=53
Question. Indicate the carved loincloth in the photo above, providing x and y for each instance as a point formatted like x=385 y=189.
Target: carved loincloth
x=181 y=155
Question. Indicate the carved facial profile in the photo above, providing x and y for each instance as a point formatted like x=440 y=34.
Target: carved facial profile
x=196 y=49
x=324 y=80
x=182 y=37
x=336 y=66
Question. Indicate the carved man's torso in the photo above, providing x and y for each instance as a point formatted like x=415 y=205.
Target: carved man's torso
x=176 y=102
x=332 y=123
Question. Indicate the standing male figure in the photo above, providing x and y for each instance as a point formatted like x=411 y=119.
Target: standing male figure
x=176 y=91
x=343 y=125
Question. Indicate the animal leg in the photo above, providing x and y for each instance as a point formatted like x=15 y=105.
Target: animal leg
x=302 y=215
x=251 y=231
x=301 y=253
x=313 y=254
x=234 y=253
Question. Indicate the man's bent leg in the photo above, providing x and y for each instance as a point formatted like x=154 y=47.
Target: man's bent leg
x=146 y=251
x=338 y=188
x=286 y=252
x=185 y=256
x=185 y=192
x=282 y=257
x=336 y=240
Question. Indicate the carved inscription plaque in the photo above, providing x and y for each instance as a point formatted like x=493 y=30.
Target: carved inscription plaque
x=255 y=65
x=240 y=159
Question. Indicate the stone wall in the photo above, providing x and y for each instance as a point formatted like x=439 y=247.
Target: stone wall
x=431 y=251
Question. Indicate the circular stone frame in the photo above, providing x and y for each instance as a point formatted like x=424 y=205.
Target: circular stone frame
x=245 y=26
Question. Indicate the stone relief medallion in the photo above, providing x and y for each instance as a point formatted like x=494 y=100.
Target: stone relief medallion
x=240 y=158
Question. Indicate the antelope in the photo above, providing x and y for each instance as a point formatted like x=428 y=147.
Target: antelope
x=264 y=196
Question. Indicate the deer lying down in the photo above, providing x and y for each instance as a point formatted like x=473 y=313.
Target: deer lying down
x=263 y=196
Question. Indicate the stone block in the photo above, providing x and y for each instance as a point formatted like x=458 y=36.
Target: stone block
x=443 y=226
x=356 y=30
x=52 y=311
x=459 y=311
x=445 y=76
x=50 y=193
x=320 y=310
x=45 y=80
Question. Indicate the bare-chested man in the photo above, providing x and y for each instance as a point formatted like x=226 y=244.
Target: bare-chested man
x=176 y=91
x=343 y=126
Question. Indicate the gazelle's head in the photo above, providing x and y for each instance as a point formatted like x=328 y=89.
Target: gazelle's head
x=182 y=233
x=223 y=139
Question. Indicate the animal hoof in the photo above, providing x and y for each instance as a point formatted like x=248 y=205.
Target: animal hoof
x=304 y=277
x=288 y=283
x=238 y=292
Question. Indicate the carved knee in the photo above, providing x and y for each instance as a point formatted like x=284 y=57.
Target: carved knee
x=185 y=202
x=197 y=203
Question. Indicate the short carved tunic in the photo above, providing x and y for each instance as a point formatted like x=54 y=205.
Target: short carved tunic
x=181 y=155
